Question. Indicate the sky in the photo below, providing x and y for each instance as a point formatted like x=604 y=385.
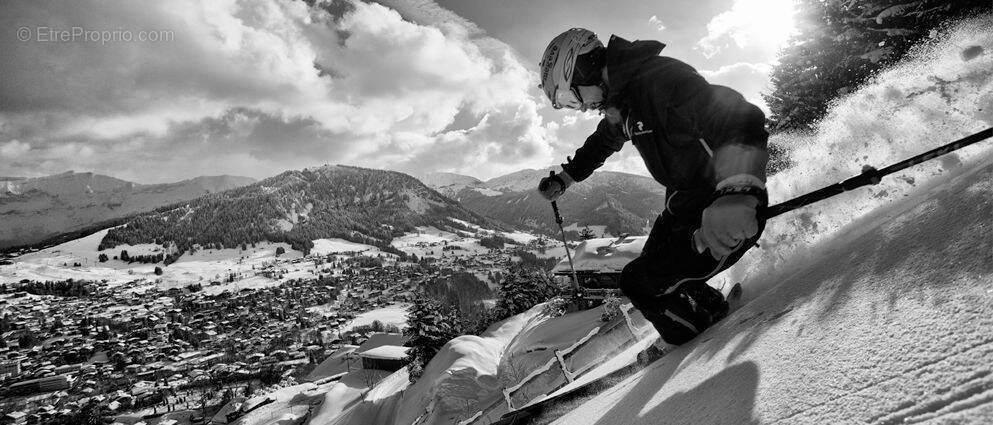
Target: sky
x=167 y=90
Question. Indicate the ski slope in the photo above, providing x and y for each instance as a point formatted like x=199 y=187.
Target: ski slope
x=890 y=325
x=875 y=307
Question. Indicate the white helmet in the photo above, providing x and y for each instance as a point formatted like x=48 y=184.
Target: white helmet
x=558 y=63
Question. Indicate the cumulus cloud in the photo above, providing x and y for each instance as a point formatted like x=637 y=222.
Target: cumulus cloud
x=761 y=25
x=255 y=87
x=656 y=23
x=750 y=79
x=14 y=149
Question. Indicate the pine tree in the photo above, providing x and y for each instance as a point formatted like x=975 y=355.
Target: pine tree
x=520 y=290
x=429 y=329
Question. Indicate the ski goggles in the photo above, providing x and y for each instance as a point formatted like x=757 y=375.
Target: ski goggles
x=567 y=98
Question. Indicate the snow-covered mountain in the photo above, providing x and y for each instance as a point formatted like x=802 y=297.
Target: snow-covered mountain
x=607 y=201
x=34 y=209
x=334 y=201
x=449 y=184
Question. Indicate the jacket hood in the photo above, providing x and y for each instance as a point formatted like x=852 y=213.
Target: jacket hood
x=624 y=58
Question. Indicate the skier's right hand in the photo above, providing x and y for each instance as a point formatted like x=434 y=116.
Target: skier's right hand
x=553 y=186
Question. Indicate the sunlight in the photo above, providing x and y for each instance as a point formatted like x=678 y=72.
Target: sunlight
x=764 y=24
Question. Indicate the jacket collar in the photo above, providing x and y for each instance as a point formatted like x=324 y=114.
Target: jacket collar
x=624 y=58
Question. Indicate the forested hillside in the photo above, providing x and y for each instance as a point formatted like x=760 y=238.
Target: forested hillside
x=297 y=207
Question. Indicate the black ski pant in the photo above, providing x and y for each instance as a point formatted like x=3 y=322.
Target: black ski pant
x=668 y=281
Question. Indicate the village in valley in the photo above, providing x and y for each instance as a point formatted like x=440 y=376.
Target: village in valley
x=178 y=347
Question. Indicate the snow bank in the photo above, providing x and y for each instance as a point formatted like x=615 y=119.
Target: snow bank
x=289 y=405
x=379 y=405
x=463 y=372
x=342 y=395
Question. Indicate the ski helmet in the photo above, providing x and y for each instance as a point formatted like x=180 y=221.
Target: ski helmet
x=558 y=65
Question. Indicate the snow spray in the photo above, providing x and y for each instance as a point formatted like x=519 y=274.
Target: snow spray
x=942 y=90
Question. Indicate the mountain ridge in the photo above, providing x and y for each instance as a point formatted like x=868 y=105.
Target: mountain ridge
x=620 y=202
x=298 y=206
x=35 y=209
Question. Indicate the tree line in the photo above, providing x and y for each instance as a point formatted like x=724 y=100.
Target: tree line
x=841 y=44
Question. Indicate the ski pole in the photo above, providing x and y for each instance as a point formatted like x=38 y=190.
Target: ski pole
x=870 y=176
x=565 y=244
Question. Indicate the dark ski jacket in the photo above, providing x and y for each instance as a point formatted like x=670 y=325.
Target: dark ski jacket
x=679 y=123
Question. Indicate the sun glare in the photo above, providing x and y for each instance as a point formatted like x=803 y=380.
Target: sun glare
x=766 y=24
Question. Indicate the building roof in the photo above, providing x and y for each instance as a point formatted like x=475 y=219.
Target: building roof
x=386 y=352
x=602 y=255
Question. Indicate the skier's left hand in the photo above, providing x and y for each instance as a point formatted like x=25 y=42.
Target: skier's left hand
x=726 y=222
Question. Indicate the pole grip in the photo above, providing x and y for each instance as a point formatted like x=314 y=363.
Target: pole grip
x=555 y=208
x=555 y=205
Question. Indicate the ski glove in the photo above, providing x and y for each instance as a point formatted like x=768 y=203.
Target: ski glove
x=553 y=186
x=727 y=222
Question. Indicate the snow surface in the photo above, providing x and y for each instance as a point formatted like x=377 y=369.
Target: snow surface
x=603 y=254
x=343 y=394
x=56 y=263
x=464 y=371
x=488 y=192
x=336 y=246
x=290 y=404
x=874 y=307
x=892 y=325
x=394 y=314
x=337 y=363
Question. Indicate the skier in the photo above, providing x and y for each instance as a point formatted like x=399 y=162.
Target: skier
x=703 y=142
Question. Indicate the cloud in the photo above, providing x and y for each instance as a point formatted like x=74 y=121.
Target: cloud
x=761 y=25
x=656 y=23
x=255 y=87
x=750 y=79
x=14 y=149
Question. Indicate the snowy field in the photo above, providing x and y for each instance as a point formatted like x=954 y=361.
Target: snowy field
x=395 y=314
x=216 y=265
x=430 y=241
x=56 y=263
x=341 y=246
